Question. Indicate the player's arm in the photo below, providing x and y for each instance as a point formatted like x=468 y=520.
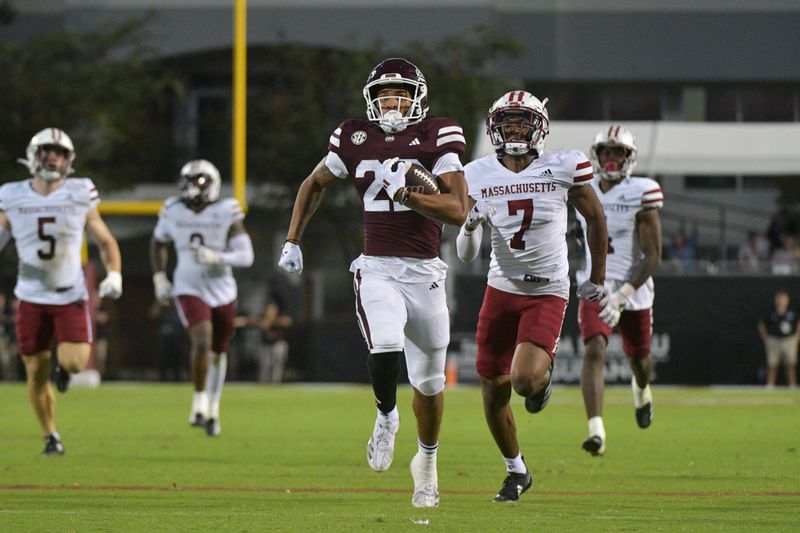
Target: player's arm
x=308 y=199
x=648 y=224
x=109 y=248
x=5 y=230
x=468 y=241
x=238 y=252
x=449 y=207
x=584 y=199
x=306 y=203
x=159 y=255
x=110 y=255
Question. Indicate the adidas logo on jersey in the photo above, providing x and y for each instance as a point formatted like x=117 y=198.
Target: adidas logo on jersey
x=415 y=142
x=546 y=174
x=434 y=285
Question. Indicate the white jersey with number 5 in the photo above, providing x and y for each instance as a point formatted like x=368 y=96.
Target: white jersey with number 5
x=530 y=222
x=182 y=226
x=621 y=204
x=48 y=231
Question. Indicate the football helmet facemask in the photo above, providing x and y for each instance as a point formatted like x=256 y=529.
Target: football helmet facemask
x=403 y=73
x=518 y=123
x=614 y=136
x=199 y=182
x=35 y=158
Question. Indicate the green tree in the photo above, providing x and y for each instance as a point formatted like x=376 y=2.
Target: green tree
x=102 y=89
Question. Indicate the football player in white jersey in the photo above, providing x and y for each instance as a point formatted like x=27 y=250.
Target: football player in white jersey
x=401 y=306
x=209 y=238
x=634 y=252
x=46 y=215
x=521 y=194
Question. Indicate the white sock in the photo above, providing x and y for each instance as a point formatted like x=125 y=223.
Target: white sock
x=426 y=449
x=596 y=427
x=641 y=397
x=200 y=403
x=393 y=415
x=215 y=379
x=56 y=435
x=515 y=465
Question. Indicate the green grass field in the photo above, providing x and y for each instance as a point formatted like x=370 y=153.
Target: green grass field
x=291 y=458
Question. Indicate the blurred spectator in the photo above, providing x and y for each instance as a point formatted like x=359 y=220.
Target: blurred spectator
x=786 y=258
x=753 y=250
x=780 y=223
x=274 y=349
x=779 y=331
x=170 y=342
x=682 y=249
x=10 y=363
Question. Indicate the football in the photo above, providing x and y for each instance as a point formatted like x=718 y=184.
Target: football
x=418 y=179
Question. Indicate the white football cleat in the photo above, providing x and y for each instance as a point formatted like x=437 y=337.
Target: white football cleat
x=380 y=447
x=426 y=481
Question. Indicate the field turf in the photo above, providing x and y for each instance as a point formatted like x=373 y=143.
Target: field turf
x=291 y=458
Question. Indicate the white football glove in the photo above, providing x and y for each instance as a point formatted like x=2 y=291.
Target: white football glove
x=590 y=292
x=613 y=304
x=203 y=255
x=163 y=287
x=481 y=211
x=111 y=287
x=393 y=179
x=291 y=258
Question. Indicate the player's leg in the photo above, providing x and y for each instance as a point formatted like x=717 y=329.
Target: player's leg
x=636 y=329
x=595 y=340
x=426 y=374
x=496 y=338
x=381 y=316
x=427 y=337
x=541 y=318
x=195 y=316
x=500 y=419
x=34 y=328
x=222 y=330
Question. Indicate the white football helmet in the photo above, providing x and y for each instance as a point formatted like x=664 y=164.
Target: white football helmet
x=523 y=110
x=614 y=136
x=33 y=154
x=396 y=71
x=200 y=182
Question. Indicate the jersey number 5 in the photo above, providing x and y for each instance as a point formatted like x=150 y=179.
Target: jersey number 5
x=514 y=207
x=50 y=251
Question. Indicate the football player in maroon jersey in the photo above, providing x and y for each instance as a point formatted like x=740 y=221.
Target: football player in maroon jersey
x=401 y=306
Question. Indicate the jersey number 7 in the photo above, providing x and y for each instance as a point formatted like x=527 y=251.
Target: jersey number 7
x=514 y=207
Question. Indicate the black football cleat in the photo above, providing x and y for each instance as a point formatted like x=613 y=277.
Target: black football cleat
x=595 y=445
x=61 y=378
x=52 y=446
x=644 y=415
x=513 y=487
x=197 y=420
x=213 y=427
x=539 y=400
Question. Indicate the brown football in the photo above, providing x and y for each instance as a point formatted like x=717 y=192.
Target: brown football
x=418 y=179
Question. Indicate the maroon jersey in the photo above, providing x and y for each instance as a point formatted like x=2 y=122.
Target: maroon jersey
x=391 y=229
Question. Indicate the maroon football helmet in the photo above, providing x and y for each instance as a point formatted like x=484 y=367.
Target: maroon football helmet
x=396 y=71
